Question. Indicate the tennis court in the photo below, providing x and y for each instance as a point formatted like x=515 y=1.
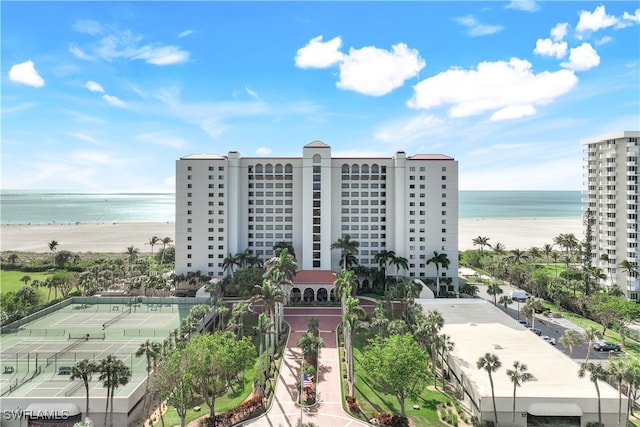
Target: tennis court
x=37 y=357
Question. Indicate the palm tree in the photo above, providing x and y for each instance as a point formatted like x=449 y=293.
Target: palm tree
x=505 y=300
x=570 y=340
x=165 y=242
x=113 y=373
x=439 y=260
x=490 y=363
x=238 y=312
x=347 y=247
x=529 y=310
x=630 y=268
x=399 y=263
x=591 y=333
x=270 y=294
x=25 y=279
x=616 y=372
x=152 y=242
x=596 y=373
x=547 y=250
x=344 y=280
x=445 y=345
x=84 y=370
x=383 y=258
x=263 y=327
x=151 y=350
x=53 y=246
x=482 y=242
x=284 y=245
x=310 y=345
x=632 y=378
x=228 y=263
x=132 y=254
x=518 y=375
x=517 y=256
x=351 y=315
x=495 y=290
x=499 y=248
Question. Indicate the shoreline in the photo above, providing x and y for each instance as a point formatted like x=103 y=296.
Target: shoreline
x=115 y=237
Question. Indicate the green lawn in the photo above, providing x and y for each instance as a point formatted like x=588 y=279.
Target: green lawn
x=372 y=400
x=10 y=281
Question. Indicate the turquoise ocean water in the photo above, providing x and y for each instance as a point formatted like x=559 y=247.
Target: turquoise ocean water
x=23 y=207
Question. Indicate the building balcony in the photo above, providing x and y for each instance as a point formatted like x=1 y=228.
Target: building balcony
x=632 y=240
x=632 y=182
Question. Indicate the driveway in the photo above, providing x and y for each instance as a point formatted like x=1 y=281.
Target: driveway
x=327 y=412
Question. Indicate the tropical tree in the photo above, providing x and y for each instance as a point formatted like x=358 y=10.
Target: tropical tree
x=351 y=315
x=591 y=333
x=84 y=370
x=288 y=246
x=494 y=289
x=383 y=258
x=616 y=372
x=344 y=280
x=426 y=333
x=444 y=345
x=238 y=313
x=165 y=242
x=547 y=250
x=132 y=254
x=569 y=340
x=399 y=263
x=490 y=363
x=151 y=351
x=152 y=242
x=228 y=263
x=310 y=345
x=482 y=242
x=113 y=374
x=518 y=375
x=596 y=372
x=397 y=366
x=347 y=247
x=262 y=328
x=270 y=294
x=174 y=383
x=439 y=261
x=632 y=379
x=505 y=300
x=53 y=246
x=630 y=268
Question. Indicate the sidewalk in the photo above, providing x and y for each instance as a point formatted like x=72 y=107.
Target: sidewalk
x=328 y=412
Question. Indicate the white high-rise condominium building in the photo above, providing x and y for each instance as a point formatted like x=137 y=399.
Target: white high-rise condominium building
x=611 y=193
x=228 y=204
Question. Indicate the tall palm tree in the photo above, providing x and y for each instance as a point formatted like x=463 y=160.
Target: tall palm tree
x=351 y=315
x=310 y=345
x=494 y=289
x=288 y=246
x=632 y=379
x=262 y=328
x=518 y=375
x=628 y=267
x=383 y=258
x=596 y=373
x=166 y=241
x=499 y=248
x=344 y=279
x=132 y=254
x=347 y=247
x=570 y=340
x=238 y=313
x=152 y=242
x=505 y=300
x=113 y=373
x=150 y=350
x=517 y=256
x=482 y=242
x=426 y=334
x=439 y=261
x=547 y=250
x=616 y=372
x=84 y=370
x=445 y=345
x=591 y=333
x=228 y=263
x=490 y=363
x=270 y=294
x=53 y=246
x=399 y=263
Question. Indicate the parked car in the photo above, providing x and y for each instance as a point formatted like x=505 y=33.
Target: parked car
x=536 y=331
x=523 y=322
x=606 y=346
x=520 y=296
x=550 y=340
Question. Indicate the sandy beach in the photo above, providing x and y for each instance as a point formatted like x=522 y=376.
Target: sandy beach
x=116 y=237
x=84 y=237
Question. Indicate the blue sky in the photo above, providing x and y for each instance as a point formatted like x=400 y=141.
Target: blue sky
x=103 y=96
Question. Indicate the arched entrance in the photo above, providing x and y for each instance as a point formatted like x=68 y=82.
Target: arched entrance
x=322 y=295
x=332 y=296
x=296 y=295
x=309 y=295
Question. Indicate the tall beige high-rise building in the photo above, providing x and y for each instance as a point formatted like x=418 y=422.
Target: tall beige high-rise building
x=611 y=170
x=226 y=204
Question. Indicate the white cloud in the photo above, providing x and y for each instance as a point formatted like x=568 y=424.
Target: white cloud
x=113 y=100
x=94 y=87
x=596 y=20
x=185 y=33
x=319 y=54
x=162 y=138
x=84 y=137
x=525 y=5
x=582 y=58
x=415 y=128
x=634 y=18
x=475 y=28
x=604 y=40
x=114 y=43
x=91 y=157
x=164 y=55
x=509 y=89
x=559 y=31
x=548 y=47
x=263 y=151
x=79 y=53
x=376 y=72
x=26 y=74
x=252 y=93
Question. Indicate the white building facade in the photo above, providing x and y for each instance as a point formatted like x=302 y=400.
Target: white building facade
x=611 y=193
x=228 y=204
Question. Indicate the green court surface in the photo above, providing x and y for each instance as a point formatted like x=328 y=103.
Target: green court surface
x=36 y=358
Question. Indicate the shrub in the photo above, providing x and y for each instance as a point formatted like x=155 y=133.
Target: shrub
x=352 y=403
x=389 y=420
